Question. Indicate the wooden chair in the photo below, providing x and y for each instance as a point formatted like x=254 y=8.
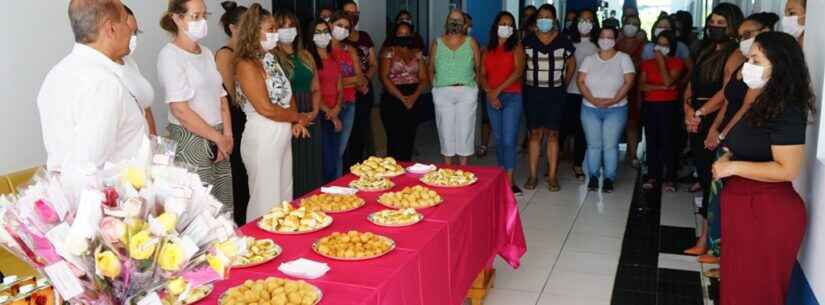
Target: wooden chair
x=5 y=186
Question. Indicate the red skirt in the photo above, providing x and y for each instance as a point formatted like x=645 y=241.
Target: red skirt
x=762 y=227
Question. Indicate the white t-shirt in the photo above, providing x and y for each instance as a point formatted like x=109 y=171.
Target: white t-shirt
x=606 y=77
x=584 y=49
x=138 y=85
x=192 y=78
x=86 y=112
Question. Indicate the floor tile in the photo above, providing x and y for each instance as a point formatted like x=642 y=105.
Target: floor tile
x=593 y=243
x=554 y=299
x=526 y=278
x=499 y=296
x=583 y=262
x=678 y=262
x=675 y=240
x=579 y=284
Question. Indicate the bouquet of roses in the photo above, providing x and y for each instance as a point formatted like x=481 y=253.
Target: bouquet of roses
x=145 y=231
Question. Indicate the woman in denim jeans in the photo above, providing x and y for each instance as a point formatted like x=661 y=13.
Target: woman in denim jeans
x=604 y=80
x=502 y=70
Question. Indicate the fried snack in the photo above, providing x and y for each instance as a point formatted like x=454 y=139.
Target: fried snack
x=416 y=197
x=286 y=219
x=332 y=203
x=197 y=294
x=377 y=167
x=449 y=178
x=274 y=291
x=258 y=251
x=372 y=184
x=396 y=218
x=353 y=245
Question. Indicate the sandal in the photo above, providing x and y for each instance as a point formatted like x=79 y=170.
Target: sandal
x=670 y=187
x=553 y=185
x=712 y=273
x=695 y=187
x=577 y=170
x=482 y=151
x=531 y=183
x=649 y=184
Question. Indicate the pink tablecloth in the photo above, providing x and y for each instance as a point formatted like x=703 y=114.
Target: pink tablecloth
x=436 y=260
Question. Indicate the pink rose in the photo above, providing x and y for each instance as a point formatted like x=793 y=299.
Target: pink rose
x=45 y=211
x=112 y=229
x=111 y=197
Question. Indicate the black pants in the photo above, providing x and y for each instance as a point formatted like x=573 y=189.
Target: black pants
x=571 y=125
x=661 y=121
x=361 y=130
x=703 y=160
x=400 y=123
x=240 y=181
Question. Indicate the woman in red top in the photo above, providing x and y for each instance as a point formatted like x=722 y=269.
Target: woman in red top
x=661 y=110
x=329 y=77
x=351 y=76
x=501 y=73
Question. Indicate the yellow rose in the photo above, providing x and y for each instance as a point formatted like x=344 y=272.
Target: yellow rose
x=108 y=264
x=176 y=286
x=135 y=176
x=141 y=246
x=217 y=264
x=227 y=248
x=168 y=220
x=171 y=257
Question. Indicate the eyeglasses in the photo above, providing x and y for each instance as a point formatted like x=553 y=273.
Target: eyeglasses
x=198 y=16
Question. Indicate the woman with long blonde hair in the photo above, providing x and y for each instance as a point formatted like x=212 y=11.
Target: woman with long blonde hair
x=265 y=93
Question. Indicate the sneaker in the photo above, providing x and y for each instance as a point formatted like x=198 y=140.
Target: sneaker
x=593 y=185
x=608 y=186
x=517 y=191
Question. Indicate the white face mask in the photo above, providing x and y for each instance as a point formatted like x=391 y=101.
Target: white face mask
x=197 y=30
x=505 y=31
x=658 y=31
x=340 y=33
x=321 y=40
x=287 y=35
x=790 y=25
x=133 y=44
x=754 y=76
x=630 y=30
x=585 y=27
x=662 y=49
x=270 y=41
x=606 y=43
x=746 y=45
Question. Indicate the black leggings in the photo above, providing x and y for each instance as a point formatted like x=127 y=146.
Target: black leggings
x=361 y=130
x=703 y=160
x=400 y=123
x=661 y=121
x=571 y=125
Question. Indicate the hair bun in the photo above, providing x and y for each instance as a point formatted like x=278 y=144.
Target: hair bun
x=229 y=5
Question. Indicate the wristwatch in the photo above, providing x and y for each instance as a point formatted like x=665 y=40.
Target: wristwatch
x=721 y=137
x=698 y=113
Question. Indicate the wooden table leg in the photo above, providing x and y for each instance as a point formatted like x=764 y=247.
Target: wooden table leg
x=481 y=286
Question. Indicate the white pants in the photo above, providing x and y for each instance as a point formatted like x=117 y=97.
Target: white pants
x=455 y=116
x=266 y=149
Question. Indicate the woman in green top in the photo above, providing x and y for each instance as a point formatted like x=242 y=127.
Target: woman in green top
x=454 y=67
x=300 y=68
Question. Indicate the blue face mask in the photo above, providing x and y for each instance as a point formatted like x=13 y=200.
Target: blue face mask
x=545 y=24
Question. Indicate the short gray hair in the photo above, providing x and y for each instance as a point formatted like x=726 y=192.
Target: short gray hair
x=86 y=16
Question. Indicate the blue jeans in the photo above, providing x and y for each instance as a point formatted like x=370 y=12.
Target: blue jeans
x=330 y=149
x=347 y=116
x=603 y=129
x=505 y=123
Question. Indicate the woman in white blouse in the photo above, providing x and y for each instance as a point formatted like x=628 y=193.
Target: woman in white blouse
x=265 y=93
x=197 y=101
x=604 y=80
x=138 y=85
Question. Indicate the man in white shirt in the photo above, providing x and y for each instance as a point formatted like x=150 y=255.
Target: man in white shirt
x=87 y=114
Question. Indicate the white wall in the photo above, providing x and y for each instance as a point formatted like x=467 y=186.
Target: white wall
x=36 y=35
x=812 y=182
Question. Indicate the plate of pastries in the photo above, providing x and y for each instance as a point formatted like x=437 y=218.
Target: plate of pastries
x=414 y=197
x=449 y=178
x=378 y=167
x=396 y=218
x=258 y=252
x=353 y=246
x=272 y=290
x=372 y=184
x=332 y=203
x=286 y=219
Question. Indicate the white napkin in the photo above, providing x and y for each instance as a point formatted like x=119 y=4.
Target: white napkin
x=9 y=279
x=304 y=268
x=419 y=168
x=25 y=289
x=338 y=190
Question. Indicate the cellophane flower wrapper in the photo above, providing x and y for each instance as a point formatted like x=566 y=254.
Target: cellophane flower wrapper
x=124 y=231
